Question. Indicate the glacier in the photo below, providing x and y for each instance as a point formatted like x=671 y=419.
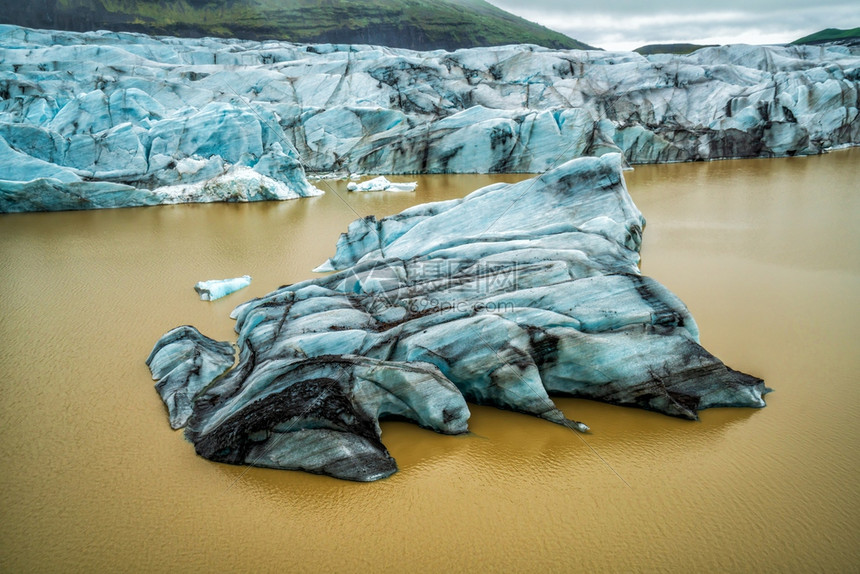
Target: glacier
x=510 y=295
x=106 y=119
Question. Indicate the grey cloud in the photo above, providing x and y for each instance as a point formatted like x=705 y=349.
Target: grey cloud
x=625 y=24
x=674 y=6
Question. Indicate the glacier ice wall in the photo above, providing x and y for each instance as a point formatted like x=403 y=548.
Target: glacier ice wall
x=510 y=295
x=85 y=124
x=89 y=119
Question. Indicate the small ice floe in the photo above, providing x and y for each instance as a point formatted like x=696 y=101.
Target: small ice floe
x=381 y=184
x=217 y=288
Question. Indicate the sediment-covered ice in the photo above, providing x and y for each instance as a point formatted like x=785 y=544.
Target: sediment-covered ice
x=506 y=297
x=107 y=119
x=216 y=288
x=184 y=363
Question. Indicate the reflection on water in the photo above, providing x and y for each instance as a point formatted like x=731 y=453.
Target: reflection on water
x=763 y=251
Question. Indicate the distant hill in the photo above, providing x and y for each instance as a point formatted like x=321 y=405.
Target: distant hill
x=851 y=36
x=414 y=24
x=670 y=48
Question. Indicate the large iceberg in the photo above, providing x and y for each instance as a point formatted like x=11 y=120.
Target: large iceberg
x=109 y=119
x=510 y=295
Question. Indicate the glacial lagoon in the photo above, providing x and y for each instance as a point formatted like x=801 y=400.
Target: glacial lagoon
x=763 y=252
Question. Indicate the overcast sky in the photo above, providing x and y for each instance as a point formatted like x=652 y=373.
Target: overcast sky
x=628 y=24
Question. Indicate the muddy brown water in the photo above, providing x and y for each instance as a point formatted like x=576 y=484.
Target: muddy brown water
x=764 y=252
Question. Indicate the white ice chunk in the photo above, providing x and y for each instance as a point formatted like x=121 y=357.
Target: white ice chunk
x=381 y=183
x=217 y=288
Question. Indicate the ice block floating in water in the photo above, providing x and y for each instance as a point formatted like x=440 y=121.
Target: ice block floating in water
x=217 y=288
x=510 y=295
x=381 y=183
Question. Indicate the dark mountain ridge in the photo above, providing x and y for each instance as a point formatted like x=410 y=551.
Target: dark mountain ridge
x=413 y=24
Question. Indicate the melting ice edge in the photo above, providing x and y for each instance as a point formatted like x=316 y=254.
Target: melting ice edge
x=505 y=297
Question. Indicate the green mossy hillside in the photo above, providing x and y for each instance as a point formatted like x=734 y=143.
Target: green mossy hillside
x=830 y=35
x=415 y=24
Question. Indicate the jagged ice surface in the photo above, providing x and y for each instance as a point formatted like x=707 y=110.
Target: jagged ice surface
x=507 y=296
x=109 y=119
